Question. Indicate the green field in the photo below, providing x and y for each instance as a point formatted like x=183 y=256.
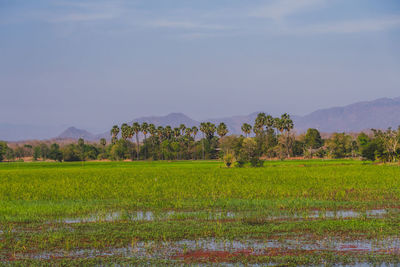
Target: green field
x=287 y=212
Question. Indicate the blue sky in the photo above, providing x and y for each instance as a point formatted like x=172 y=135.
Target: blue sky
x=95 y=63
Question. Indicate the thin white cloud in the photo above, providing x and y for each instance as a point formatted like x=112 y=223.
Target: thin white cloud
x=196 y=24
x=280 y=9
x=353 y=26
x=184 y=25
x=84 y=11
x=77 y=17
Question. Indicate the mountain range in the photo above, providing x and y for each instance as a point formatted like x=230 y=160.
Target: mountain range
x=379 y=114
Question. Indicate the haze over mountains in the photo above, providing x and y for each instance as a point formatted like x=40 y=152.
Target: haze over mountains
x=380 y=114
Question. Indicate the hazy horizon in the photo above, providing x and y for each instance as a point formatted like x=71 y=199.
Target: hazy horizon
x=91 y=64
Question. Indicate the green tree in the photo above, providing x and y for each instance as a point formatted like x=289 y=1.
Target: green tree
x=19 y=152
x=71 y=152
x=339 y=145
x=122 y=149
x=367 y=146
x=3 y=150
x=81 y=145
x=312 y=141
x=28 y=150
x=10 y=155
x=36 y=153
x=249 y=152
x=391 y=143
x=44 y=151
x=231 y=144
x=55 y=153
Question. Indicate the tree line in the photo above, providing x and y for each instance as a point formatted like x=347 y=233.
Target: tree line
x=267 y=138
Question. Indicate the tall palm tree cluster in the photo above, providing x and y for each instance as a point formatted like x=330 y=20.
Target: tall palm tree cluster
x=148 y=141
x=273 y=135
x=158 y=142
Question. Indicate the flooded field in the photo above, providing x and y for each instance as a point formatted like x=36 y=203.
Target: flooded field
x=200 y=214
x=226 y=215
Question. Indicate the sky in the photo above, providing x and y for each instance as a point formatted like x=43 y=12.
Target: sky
x=95 y=63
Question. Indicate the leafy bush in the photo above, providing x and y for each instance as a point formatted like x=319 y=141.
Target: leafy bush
x=229 y=159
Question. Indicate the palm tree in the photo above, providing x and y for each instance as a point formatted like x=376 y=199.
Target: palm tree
x=103 y=143
x=269 y=121
x=176 y=132
x=203 y=129
x=279 y=125
x=152 y=129
x=222 y=129
x=210 y=130
x=125 y=131
x=145 y=129
x=284 y=124
x=195 y=130
x=287 y=122
x=186 y=139
x=161 y=134
x=288 y=126
x=114 y=133
x=153 y=132
x=168 y=132
x=136 y=129
x=246 y=129
x=182 y=127
x=259 y=123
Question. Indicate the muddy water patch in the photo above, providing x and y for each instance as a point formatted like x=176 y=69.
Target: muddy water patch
x=171 y=249
x=149 y=216
x=225 y=215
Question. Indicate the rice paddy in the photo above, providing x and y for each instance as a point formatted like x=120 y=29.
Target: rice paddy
x=299 y=212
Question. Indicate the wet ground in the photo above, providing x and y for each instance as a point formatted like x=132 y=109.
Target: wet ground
x=221 y=250
x=170 y=215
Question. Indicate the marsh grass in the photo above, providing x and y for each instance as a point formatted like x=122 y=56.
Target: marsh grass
x=49 y=207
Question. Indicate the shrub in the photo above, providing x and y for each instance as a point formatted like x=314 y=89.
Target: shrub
x=229 y=159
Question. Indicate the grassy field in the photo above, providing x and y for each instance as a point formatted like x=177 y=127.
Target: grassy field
x=288 y=212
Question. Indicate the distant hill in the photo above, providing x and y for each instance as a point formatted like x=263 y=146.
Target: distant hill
x=380 y=114
x=75 y=133
x=172 y=119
